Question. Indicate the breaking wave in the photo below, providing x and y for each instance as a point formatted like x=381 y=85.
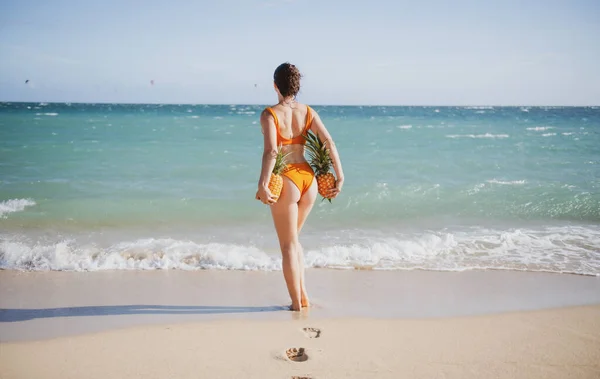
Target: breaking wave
x=573 y=249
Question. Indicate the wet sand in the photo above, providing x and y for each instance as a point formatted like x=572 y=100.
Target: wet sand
x=39 y=305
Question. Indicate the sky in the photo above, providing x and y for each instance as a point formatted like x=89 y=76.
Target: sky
x=390 y=52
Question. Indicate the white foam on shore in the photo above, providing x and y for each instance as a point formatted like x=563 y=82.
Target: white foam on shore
x=555 y=249
x=14 y=205
x=540 y=128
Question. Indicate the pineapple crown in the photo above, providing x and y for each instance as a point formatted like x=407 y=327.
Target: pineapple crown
x=280 y=161
x=318 y=154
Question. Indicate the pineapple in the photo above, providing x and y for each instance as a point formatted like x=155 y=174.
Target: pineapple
x=276 y=181
x=320 y=160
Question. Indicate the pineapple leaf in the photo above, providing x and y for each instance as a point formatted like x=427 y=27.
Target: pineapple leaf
x=280 y=161
x=318 y=154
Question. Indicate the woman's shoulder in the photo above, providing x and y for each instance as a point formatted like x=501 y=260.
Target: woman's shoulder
x=304 y=107
x=311 y=110
x=267 y=111
x=266 y=116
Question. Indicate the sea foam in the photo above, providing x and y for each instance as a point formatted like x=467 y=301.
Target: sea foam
x=486 y=135
x=14 y=205
x=552 y=249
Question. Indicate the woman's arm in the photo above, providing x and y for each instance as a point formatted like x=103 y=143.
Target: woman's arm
x=268 y=158
x=322 y=133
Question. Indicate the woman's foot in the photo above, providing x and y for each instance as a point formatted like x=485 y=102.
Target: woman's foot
x=305 y=302
x=295 y=307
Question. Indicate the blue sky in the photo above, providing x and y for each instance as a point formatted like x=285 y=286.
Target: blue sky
x=350 y=52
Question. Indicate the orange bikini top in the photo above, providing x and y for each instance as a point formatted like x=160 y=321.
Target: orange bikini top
x=281 y=140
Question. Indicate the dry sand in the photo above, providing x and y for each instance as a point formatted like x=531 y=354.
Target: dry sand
x=559 y=343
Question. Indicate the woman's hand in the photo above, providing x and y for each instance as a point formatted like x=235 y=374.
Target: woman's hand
x=338 y=188
x=264 y=194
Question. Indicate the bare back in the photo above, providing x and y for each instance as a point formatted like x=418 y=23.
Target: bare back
x=292 y=121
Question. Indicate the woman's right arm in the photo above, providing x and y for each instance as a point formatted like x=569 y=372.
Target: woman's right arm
x=322 y=133
x=268 y=158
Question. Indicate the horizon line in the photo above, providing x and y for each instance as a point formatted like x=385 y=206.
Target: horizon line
x=312 y=104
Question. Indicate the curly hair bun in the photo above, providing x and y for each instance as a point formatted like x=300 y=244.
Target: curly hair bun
x=287 y=79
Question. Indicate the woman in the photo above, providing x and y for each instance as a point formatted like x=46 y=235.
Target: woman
x=285 y=124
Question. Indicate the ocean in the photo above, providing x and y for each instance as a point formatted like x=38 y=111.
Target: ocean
x=89 y=187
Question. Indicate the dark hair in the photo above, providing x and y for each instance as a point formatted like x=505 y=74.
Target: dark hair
x=287 y=79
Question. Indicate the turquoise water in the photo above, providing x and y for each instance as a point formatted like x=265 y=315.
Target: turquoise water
x=115 y=186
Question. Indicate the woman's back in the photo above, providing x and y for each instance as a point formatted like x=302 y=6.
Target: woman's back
x=292 y=122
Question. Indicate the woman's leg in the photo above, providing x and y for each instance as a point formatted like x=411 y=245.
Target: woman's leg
x=285 y=218
x=304 y=207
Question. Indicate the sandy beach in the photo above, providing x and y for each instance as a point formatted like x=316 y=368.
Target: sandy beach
x=363 y=325
x=562 y=343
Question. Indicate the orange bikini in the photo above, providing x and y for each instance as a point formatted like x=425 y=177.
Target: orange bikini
x=301 y=174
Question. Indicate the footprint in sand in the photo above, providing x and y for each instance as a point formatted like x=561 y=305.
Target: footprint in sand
x=296 y=354
x=312 y=332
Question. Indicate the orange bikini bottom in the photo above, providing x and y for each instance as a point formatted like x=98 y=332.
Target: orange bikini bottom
x=301 y=174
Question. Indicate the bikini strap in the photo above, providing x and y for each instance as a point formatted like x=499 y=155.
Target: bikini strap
x=308 y=120
x=272 y=112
